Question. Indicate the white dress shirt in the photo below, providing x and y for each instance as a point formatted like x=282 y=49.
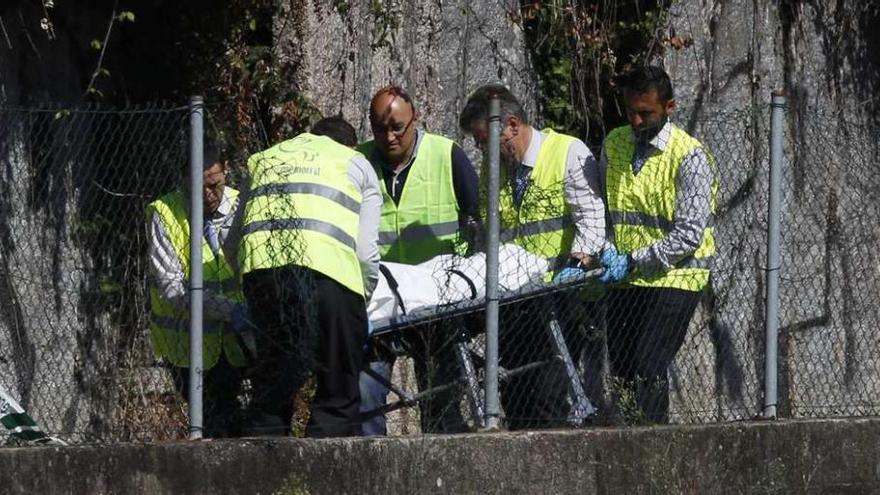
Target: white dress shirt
x=362 y=175
x=166 y=268
x=583 y=192
x=693 y=191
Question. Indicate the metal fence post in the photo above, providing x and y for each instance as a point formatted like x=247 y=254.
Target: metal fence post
x=196 y=222
x=493 y=226
x=777 y=112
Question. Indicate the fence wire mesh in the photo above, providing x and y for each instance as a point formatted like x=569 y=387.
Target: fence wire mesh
x=718 y=372
x=829 y=278
x=73 y=345
x=75 y=340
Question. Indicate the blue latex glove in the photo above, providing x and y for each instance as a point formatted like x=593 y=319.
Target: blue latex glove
x=241 y=319
x=568 y=274
x=369 y=328
x=616 y=266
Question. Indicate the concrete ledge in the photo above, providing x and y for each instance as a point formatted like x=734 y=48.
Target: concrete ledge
x=828 y=456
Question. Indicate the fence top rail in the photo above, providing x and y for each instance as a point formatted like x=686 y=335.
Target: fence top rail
x=91 y=108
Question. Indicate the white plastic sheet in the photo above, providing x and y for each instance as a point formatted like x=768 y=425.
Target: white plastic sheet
x=447 y=279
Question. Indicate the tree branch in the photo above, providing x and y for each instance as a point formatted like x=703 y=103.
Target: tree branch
x=91 y=85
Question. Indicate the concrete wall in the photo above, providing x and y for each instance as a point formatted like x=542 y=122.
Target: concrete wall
x=834 y=456
x=439 y=51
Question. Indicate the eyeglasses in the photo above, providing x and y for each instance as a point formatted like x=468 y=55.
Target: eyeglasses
x=380 y=129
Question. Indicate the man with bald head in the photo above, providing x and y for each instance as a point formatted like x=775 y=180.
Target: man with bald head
x=429 y=190
x=430 y=184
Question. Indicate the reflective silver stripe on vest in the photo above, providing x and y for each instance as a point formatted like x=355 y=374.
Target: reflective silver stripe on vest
x=227 y=285
x=535 y=228
x=691 y=262
x=645 y=220
x=387 y=238
x=182 y=326
x=418 y=232
x=328 y=192
x=300 y=224
x=640 y=219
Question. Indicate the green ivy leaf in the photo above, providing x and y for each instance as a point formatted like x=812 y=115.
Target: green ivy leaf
x=96 y=44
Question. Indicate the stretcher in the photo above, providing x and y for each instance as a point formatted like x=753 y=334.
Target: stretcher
x=522 y=281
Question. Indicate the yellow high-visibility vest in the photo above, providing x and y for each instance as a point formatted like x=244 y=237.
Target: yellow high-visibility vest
x=303 y=210
x=169 y=326
x=642 y=207
x=542 y=223
x=425 y=222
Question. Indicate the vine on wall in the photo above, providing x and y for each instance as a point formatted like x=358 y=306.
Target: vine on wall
x=577 y=48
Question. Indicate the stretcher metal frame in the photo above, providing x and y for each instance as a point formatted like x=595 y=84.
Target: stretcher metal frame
x=388 y=333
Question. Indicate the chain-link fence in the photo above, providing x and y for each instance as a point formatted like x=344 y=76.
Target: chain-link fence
x=692 y=351
x=75 y=339
x=829 y=276
x=73 y=345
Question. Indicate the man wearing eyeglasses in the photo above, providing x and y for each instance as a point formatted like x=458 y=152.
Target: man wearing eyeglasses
x=430 y=191
x=430 y=185
x=226 y=321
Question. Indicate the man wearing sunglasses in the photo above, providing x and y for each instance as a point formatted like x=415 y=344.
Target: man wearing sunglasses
x=430 y=185
x=429 y=190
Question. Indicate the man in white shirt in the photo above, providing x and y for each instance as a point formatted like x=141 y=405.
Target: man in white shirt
x=224 y=311
x=551 y=205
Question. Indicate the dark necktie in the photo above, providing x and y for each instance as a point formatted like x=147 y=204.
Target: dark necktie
x=520 y=183
x=211 y=237
x=640 y=157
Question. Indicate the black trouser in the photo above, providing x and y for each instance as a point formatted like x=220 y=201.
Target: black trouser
x=432 y=348
x=309 y=323
x=539 y=398
x=221 y=406
x=646 y=328
x=433 y=353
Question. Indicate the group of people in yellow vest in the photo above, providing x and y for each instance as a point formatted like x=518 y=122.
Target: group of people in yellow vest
x=290 y=264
